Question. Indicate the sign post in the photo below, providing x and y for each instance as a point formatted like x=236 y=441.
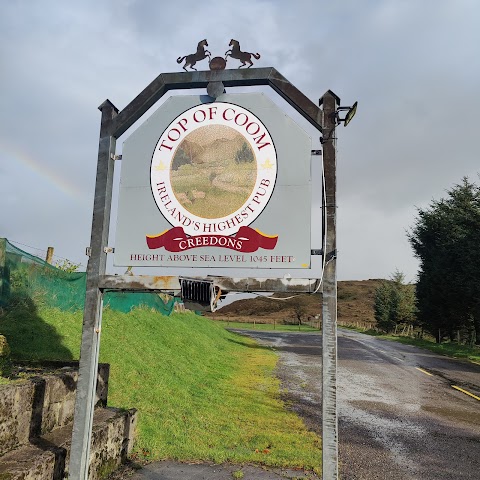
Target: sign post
x=329 y=289
x=92 y=315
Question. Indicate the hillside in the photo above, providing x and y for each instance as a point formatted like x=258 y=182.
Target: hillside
x=202 y=393
x=355 y=306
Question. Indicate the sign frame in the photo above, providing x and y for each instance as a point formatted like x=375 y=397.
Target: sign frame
x=113 y=124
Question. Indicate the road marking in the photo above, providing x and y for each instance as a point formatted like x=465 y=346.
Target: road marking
x=466 y=392
x=400 y=359
x=424 y=371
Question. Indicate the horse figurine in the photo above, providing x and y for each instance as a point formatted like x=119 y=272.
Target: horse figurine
x=193 y=58
x=244 y=57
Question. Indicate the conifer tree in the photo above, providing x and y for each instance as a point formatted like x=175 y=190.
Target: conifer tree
x=446 y=240
x=394 y=303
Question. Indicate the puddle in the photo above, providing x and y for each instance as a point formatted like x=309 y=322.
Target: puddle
x=455 y=415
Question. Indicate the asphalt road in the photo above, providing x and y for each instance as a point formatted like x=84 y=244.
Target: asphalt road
x=399 y=416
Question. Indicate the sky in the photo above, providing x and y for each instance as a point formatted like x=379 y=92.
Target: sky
x=413 y=66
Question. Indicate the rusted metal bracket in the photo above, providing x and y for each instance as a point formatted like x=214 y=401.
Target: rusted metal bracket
x=142 y=283
x=296 y=285
x=215 y=89
x=331 y=255
x=146 y=283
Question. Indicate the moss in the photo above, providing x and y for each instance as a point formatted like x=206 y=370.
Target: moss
x=107 y=468
x=5 y=360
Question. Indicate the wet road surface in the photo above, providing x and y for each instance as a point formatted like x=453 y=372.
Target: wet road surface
x=399 y=416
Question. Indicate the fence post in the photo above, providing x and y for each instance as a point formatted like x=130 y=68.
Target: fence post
x=49 y=256
x=4 y=274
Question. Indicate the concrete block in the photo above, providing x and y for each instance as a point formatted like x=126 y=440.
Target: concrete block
x=112 y=440
x=28 y=462
x=111 y=445
x=15 y=415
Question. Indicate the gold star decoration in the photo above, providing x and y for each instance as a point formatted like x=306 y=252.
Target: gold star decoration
x=267 y=165
x=160 y=166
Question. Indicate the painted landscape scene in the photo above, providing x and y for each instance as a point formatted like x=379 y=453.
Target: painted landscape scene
x=213 y=171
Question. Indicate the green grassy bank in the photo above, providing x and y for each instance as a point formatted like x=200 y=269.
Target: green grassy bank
x=202 y=392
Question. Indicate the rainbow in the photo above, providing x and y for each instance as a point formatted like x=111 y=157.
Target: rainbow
x=9 y=152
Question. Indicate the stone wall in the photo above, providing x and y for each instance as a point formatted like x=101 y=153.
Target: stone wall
x=41 y=404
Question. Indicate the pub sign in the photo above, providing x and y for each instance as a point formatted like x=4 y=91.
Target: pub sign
x=224 y=183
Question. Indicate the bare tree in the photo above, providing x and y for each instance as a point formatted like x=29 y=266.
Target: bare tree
x=299 y=310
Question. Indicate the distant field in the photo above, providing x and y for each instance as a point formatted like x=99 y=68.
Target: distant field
x=355 y=307
x=267 y=326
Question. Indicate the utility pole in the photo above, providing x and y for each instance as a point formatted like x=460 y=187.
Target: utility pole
x=330 y=103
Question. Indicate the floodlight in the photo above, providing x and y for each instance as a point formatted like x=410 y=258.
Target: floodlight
x=350 y=114
x=348 y=117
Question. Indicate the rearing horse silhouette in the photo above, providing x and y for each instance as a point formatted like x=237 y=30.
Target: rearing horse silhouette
x=193 y=58
x=244 y=57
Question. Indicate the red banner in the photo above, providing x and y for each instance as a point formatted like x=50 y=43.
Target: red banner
x=246 y=240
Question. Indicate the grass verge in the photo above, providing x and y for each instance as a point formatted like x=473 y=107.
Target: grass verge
x=266 y=326
x=450 y=349
x=202 y=392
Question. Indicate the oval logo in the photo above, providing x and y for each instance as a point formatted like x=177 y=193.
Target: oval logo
x=213 y=169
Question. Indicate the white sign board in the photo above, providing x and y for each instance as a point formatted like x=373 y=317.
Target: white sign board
x=224 y=183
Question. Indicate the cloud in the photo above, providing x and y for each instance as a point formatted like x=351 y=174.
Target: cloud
x=411 y=65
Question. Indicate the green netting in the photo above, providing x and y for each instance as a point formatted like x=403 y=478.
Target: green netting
x=125 y=301
x=25 y=276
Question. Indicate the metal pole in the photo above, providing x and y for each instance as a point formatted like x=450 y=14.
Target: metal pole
x=329 y=308
x=92 y=316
